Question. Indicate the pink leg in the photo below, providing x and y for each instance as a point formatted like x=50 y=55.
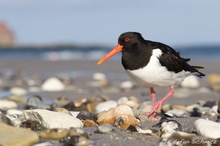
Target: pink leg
x=158 y=106
x=153 y=96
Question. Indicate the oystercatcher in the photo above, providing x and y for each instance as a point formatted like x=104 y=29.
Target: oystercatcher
x=152 y=64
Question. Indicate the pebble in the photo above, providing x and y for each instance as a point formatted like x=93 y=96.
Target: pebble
x=14 y=116
x=17 y=99
x=178 y=112
x=207 y=111
x=85 y=115
x=100 y=80
x=11 y=136
x=18 y=91
x=166 y=107
x=131 y=101
x=5 y=119
x=62 y=110
x=190 y=82
x=44 y=144
x=52 y=84
x=207 y=128
x=104 y=106
x=99 y=76
x=190 y=108
x=6 y=104
x=51 y=119
x=14 y=112
x=53 y=134
x=105 y=128
x=35 y=102
x=168 y=127
x=120 y=116
x=126 y=86
x=213 y=78
x=145 y=107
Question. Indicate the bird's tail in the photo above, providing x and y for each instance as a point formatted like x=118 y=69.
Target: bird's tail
x=196 y=72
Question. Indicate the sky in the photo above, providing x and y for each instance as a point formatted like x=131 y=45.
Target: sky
x=84 y=22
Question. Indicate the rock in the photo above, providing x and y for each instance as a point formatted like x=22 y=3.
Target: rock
x=190 y=82
x=35 y=102
x=6 y=120
x=53 y=134
x=195 y=113
x=17 y=99
x=62 y=110
x=14 y=112
x=18 y=91
x=214 y=81
x=88 y=119
x=105 y=128
x=52 y=84
x=190 y=108
x=207 y=111
x=213 y=78
x=209 y=104
x=181 y=107
x=17 y=136
x=99 y=76
x=132 y=102
x=121 y=116
x=70 y=136
x=100 y=80
x=215 y=109
x=126 y=86
x=146 y=107
x=78 y=105
x=14 y=116
x=85 y=115
x=105 y=106
x=6 y=104
x=178 y=113
x=168 y=127
x=144 y=131
x=166 y=107
x=207 y=128
x=45 y=144
x=51 y=119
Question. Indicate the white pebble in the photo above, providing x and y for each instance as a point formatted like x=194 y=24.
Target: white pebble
x=53 y=84
x=207 y=128
x=7 y=104
x=104 y=106
x=191 y=82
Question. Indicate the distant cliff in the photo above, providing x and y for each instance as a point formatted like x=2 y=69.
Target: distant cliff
x=6 y=35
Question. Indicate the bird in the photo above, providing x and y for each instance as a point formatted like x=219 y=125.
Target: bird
x=152 y=64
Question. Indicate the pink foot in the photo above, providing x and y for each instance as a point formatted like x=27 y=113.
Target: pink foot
x=158 y=106
x=155 y=109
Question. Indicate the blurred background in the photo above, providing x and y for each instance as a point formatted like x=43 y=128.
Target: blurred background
x=72 y=29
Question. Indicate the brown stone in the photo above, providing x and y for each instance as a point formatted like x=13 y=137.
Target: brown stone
x=121 y=116
x=11 y=136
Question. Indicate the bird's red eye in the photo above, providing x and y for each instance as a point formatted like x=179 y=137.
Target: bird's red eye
x=127 y=39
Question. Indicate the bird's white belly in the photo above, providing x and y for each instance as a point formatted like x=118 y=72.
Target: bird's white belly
x=155 y=75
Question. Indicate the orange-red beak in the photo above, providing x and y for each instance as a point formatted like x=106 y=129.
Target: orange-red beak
x=117 y=49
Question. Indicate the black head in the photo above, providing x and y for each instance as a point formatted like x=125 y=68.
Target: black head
x=128 y=43
x=129 y=40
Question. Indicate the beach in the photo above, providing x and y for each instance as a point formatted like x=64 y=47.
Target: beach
x=82 y=71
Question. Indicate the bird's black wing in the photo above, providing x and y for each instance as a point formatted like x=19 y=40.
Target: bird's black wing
x=173 y=62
